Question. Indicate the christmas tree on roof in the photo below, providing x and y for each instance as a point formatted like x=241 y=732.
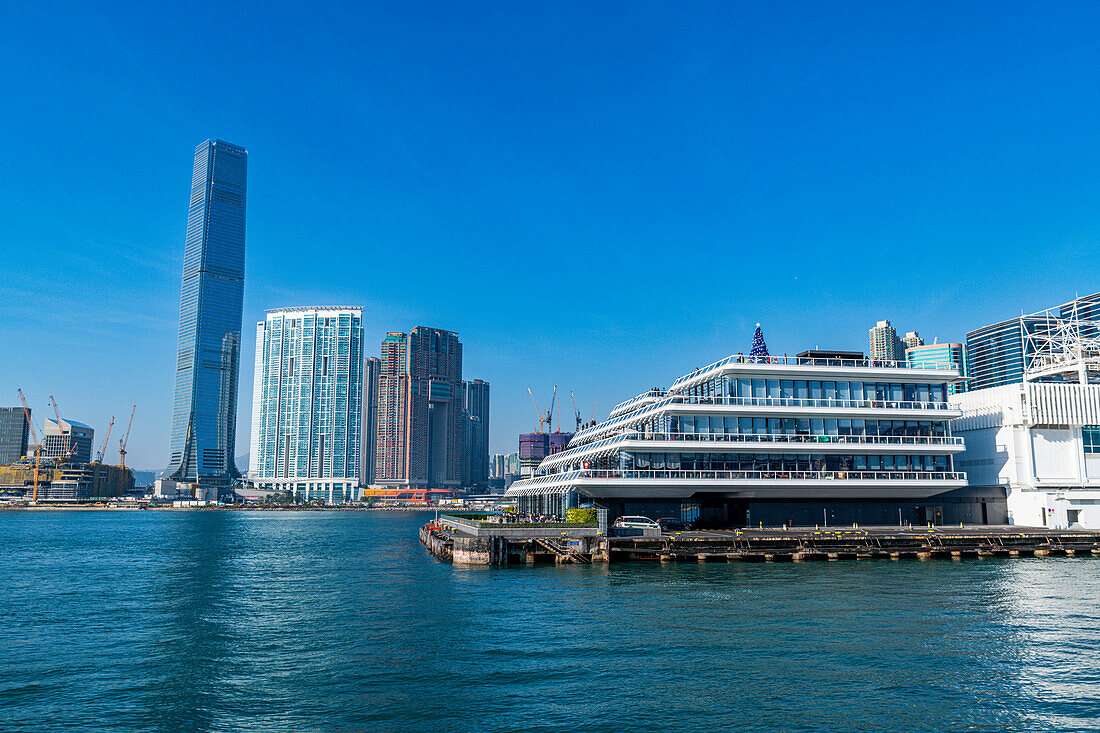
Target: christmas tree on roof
x=759 y=351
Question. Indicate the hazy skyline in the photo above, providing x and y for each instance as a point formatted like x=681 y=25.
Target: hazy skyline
x=598 y=197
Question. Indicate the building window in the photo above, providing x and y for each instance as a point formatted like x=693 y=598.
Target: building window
x=1091 y=436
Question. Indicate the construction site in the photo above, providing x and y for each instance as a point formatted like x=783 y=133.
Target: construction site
x=61 y=467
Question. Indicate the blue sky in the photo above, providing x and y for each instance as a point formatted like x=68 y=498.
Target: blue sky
x=595 y=195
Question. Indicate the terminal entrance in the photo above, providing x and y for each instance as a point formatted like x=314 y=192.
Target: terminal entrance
x=712 y=513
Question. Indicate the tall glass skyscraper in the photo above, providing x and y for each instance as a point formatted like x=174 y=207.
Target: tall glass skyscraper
x=205 y=405
x=307 y=404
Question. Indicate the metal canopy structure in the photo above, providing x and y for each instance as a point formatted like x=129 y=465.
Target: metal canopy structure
x=1062 y=347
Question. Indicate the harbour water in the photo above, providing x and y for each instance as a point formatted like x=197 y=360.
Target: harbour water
x=326 y=621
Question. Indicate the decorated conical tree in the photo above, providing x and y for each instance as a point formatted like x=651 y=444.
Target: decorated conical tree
x=759 y=351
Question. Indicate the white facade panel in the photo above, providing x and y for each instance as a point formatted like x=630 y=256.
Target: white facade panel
x=1055 y=454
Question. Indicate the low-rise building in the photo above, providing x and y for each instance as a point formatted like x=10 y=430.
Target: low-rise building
x=1038 y=442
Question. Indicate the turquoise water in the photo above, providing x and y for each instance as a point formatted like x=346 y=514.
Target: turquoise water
x=234 y=621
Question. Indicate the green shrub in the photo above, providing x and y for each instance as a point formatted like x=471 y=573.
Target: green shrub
x=580 y=516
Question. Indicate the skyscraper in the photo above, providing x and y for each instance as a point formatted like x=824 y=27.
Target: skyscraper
x=911 y=339
x=420 y=409
x=14 y=432
x=372 y=369
x=885 y=344
x=204 y=410
x=391 y=442
x=307 y=413
x=476 y=444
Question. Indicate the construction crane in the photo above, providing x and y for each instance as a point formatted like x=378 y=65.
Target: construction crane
x=37 y=447
x=576 y=412
x=68 y=454
x=594 y=411
x=537 y=410
x=550 y=412
x=99 y=456
x=126 y=439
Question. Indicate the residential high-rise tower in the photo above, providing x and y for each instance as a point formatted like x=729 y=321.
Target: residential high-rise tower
x=885 y=344
x=420 y=409
x=204 y=410
x=372 y=369
x=307 y=410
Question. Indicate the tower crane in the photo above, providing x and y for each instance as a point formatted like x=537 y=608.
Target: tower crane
x=576 y=412
x=594 y=411
x=37 y=447
x=99 y=456
x=68 y=454
x=537 y=410
x=550 y=412
x=126 y=439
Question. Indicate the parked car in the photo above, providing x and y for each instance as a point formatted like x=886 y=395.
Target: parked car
x=635 y=523
x=672 y=524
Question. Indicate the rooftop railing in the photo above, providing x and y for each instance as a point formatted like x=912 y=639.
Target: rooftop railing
x=807 y=361
x=812 y=402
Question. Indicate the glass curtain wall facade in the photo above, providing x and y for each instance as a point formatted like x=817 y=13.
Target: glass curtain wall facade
x=204 y=414
x=476 y=443
x=14 y=434
x=307 y=420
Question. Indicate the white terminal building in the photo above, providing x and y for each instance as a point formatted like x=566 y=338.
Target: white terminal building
x=1039 y=440
x=823 y=437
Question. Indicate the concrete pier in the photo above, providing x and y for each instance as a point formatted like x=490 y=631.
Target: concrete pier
x=512 y=544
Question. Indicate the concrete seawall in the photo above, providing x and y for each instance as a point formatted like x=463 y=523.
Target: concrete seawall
x=512 y=546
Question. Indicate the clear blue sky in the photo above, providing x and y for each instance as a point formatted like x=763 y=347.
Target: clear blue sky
x=597 y=195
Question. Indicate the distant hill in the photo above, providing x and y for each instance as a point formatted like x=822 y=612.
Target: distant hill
x=144 y=478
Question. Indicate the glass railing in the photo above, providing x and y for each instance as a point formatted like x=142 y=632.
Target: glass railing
x=578 y=453
x=799 y=439
x=869 y=404
x=818 y=362
x=739 y=475
x=623 y=407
